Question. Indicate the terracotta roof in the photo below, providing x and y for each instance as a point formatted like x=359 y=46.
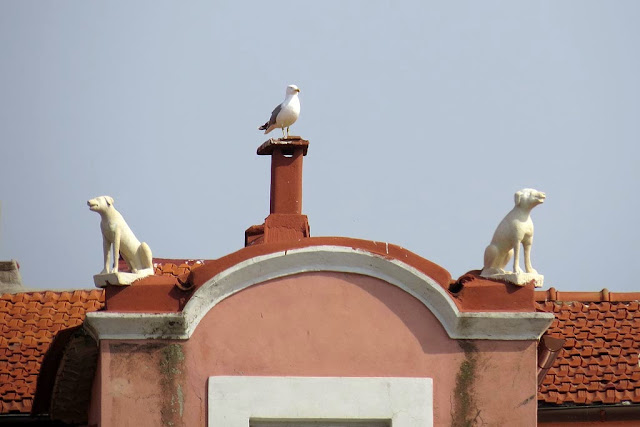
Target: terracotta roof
x=168 y=266
x=175 y=267
x=28 y=323
x=598 y=363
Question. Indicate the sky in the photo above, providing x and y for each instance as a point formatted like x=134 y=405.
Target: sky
x=424 y=118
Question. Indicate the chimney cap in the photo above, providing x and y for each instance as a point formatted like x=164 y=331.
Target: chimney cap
x=286 y=144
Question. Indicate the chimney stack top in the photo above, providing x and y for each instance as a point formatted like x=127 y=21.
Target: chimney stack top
x=287 y=145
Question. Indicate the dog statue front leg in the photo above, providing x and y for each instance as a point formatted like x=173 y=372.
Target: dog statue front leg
x=106 y=252
x=116 y=251
x=516 y=258
x=527 y=258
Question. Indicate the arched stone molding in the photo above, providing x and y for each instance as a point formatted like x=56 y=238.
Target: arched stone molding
x=458 y=324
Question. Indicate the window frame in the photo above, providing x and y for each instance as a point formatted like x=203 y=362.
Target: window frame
x=233 y=401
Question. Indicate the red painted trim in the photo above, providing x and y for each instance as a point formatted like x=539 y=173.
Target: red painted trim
x=387 y=250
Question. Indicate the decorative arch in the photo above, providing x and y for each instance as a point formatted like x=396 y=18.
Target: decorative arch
x=259 y=269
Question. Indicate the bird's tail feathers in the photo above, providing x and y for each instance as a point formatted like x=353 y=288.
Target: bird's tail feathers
x=266 y=128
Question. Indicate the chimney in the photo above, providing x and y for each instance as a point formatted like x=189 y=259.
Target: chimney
x=285 y=221
x=10 y=279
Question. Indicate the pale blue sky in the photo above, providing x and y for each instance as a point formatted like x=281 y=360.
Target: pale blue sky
x=424 y=118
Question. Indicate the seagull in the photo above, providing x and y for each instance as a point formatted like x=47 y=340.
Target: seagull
x=285 y=114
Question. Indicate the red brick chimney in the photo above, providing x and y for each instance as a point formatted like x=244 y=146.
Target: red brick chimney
x=285 y=221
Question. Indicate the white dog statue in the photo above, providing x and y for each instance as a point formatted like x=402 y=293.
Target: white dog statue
x=516 y=228
x=117 y=234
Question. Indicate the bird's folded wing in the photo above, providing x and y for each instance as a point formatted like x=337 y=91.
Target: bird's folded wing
x=274 y=115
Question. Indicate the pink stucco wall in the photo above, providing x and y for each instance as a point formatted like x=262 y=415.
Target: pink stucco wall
x=318 y=324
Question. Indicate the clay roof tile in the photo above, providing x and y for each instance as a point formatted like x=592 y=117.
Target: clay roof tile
x=64 y=296
x=576 y=306
x=592 y=315
x=581 y=396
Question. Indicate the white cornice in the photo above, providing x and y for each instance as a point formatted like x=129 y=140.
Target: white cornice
x=459 y=325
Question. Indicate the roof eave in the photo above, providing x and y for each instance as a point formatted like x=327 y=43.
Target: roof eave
x=589 y=413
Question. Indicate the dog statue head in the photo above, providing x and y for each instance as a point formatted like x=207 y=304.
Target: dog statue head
x=100 y=204
x=528 y=198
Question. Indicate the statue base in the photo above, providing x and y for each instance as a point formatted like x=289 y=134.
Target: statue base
x=519 y=279
x=120 y=279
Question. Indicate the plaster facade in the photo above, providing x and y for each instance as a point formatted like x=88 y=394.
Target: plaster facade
x=316 y=324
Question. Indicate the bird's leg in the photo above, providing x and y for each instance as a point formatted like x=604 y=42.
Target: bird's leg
x=283 y=133
x=287 y=131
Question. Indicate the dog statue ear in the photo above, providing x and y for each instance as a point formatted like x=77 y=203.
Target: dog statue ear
x=109 y=200
x=518 y=196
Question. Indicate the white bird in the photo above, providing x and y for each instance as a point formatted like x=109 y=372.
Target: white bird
x=285 y=114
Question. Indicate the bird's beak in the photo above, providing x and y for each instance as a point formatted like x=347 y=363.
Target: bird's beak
x=297 y=90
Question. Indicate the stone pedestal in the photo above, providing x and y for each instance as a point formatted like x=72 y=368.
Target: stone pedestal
x=519 y=279
x=120 y=279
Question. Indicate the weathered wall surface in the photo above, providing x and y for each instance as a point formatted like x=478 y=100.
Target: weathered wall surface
x=143 y=384
x=96 y=395
x=319 y=324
